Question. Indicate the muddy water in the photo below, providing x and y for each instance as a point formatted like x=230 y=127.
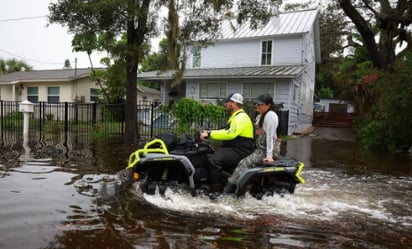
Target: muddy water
x=73 y=198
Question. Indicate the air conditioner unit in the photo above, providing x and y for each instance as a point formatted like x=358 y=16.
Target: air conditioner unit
x=80 y=99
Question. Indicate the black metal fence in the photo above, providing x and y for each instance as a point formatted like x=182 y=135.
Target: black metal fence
x=97 y=119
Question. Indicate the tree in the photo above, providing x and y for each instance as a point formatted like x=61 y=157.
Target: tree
x=188 y=22
x=374 y=75
x=158 y=60
x=332 y=30
x=67 y=64
x=388 y=20
x=13 y=65
x=110 y=19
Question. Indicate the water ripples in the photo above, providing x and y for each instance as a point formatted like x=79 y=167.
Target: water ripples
x=324 y=196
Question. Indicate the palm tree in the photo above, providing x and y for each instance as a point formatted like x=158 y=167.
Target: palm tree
x=13 y=65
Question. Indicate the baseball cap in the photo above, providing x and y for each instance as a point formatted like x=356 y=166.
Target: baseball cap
x=264 y=99
x=235 y=97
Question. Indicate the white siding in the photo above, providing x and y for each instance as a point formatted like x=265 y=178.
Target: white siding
x=224 y=54
x=246 y=53
x=282 y=89
x=287 y=51
x=308 y=77
x=81 y=90
x=7 y=93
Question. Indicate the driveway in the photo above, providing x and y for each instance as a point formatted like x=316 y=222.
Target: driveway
x=331 y=133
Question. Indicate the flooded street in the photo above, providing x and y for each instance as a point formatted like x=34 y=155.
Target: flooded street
x=73 y=198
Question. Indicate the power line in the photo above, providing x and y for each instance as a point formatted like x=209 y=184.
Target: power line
x=22 y=18
x=28 y=59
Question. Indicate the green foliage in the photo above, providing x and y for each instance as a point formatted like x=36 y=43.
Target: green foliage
x=191 y=114
x=369 y=133
x=13 y=65
x=187 y=112
x=53 y=127
x=14 y=115
x=13 y=120
x=213 y=114
x=325 y=93
x=113 y=83
x=157 y=61
x=389 y=121
x=380 y=17
x=357 y=81
x=67 y=64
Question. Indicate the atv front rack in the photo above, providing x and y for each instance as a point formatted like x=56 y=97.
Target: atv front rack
x=134 y=158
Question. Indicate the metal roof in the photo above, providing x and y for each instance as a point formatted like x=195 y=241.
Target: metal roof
x=144 y=89
x=220 y=73
x=288 y=23
x=45 y=75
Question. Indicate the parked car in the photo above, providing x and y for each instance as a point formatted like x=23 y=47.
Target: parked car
x=318 y=107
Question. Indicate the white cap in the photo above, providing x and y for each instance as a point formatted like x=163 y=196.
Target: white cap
x=236 y=97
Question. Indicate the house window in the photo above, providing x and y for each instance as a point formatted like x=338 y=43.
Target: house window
x=295 y=93
x=196 y=56
x=94 y=95
x=33 y=94
x=213 y=91
x=252 y=91
x=266 y=53
x=53 y=94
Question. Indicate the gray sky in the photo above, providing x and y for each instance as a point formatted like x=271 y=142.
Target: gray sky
x=31 y=41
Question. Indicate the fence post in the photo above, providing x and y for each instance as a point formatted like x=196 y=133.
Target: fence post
x=40 y=117
x=66 y=117
x=2 y=119
x=94 y=111
x=151 y=119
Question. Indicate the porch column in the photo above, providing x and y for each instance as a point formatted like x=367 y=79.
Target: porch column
x=13 y=91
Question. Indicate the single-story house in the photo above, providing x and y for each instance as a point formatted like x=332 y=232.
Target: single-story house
x=58 y=85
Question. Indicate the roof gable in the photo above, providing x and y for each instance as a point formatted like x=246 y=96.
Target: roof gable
x=288 y=23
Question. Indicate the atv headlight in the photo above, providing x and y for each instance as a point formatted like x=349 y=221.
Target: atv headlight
x=136 y=176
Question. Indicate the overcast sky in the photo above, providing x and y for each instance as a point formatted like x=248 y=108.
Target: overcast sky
x=31 y=41
x=25 y=36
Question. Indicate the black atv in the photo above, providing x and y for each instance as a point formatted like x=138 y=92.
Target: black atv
x=182 y=163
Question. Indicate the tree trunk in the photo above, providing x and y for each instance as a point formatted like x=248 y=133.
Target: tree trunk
x=135 y=39
x=363 y=29
x=388 y=19
x=131 y=128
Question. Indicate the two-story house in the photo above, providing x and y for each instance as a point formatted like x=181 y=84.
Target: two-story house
x=278 y=59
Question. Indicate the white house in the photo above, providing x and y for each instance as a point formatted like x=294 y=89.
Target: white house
x=61 y=85
x=278 y=59
x=58 y=85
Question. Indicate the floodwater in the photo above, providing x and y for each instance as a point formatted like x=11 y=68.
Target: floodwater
x=70 y=196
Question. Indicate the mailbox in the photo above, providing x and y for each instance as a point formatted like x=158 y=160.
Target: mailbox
x=26 y=106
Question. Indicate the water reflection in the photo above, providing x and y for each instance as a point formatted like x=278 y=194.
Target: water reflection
x=351 y=199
